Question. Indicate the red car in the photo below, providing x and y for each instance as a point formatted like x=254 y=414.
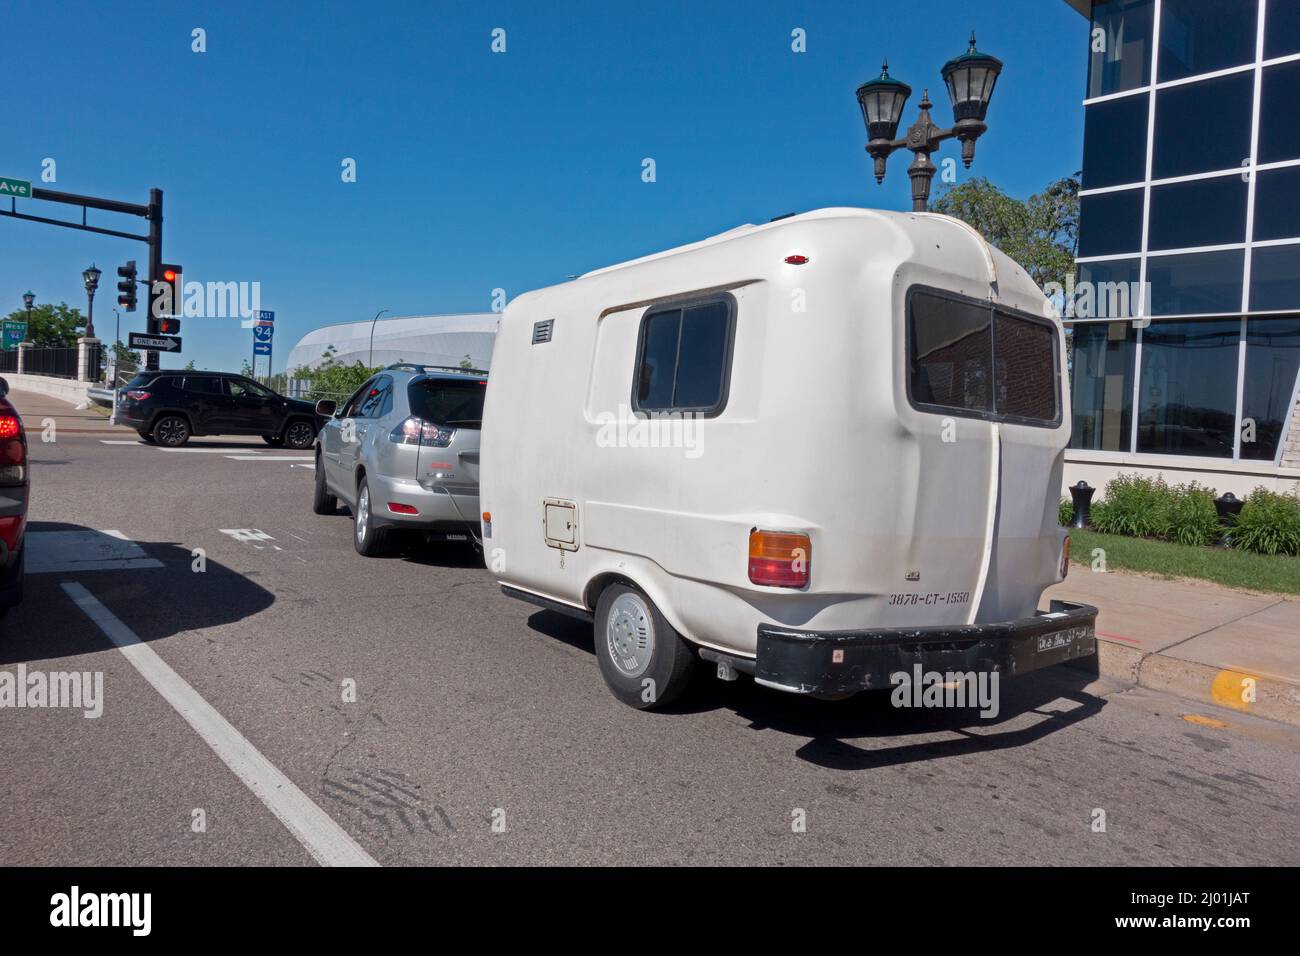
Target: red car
x=13 y=501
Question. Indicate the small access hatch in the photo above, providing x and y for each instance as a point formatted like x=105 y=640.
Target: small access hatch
x=561 y=523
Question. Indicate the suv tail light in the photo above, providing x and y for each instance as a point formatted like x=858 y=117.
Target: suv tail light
x=779 y=559
x=137 y=394
x=416 y=431
x=1065 y=557
x=13 y=453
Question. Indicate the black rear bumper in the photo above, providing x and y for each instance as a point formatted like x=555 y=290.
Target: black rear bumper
x=842 y=662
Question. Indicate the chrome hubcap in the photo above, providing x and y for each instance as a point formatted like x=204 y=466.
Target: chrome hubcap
x=363 y=514
x=629 y=635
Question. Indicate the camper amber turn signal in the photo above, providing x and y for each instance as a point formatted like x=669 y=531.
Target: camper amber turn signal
x=779 y=559
x=1065 y=557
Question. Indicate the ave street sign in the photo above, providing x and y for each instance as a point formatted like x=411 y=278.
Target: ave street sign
x=154 y=343
x=14 y=332
x=19 y=188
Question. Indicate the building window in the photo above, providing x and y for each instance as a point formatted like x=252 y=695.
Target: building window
x=1201 y=36
x=1281 y=29
x=969 y=358
x=684 y=359
x=1110 y=223
x=1203 y=127
x=1124 y=60
x=1275 y=278
x=1107 y=290
x=1187 y=389
x=1115 y=142
x=1272 y=361
x=1277 y=203
x=1102 y=385
x=1202 y=212
x=1279 y=133
x=1196 y=283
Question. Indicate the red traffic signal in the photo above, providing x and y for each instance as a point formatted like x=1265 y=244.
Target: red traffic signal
x=169 y=326
x=164 y=294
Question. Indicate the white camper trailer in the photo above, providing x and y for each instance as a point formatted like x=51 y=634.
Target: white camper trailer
x=820 y=451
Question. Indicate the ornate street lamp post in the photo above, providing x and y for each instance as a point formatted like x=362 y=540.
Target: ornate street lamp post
x=91 y=278
x=970 y=79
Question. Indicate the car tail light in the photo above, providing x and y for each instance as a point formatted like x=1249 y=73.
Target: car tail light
x=137 y=394
x=779 y=559
x=13 y=453
x=416 y=431
x=1065 y=557
x=397 y=508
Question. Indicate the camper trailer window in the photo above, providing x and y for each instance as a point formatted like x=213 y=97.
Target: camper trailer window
x=684 y=357
x=967 y=357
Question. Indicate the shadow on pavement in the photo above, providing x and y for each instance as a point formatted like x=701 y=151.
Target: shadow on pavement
x=1030 y=707
x=155 y=602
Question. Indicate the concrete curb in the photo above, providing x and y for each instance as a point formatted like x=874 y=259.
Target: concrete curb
x=1273 y=698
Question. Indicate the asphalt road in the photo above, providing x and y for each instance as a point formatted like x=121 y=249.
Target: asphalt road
x=481 y=732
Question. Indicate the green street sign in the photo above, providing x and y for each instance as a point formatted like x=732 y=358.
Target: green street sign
x=19 y=188
x=14 y=332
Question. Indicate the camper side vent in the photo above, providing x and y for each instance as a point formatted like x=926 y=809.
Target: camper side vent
x=542 y=331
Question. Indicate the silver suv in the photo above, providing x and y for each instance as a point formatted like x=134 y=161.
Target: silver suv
x=402 y=452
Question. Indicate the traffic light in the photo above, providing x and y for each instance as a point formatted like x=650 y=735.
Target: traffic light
x=169 y=326
x=126 y=286
x=165 y=294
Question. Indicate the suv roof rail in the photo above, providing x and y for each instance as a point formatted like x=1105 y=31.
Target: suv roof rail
x=414 y=367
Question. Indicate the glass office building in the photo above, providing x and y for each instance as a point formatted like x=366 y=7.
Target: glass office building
x=1191 y=194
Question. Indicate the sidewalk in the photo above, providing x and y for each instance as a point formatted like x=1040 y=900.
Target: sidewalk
x=1195 y=639
x=35 y=407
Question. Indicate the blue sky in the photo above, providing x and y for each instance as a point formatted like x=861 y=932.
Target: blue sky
x=476 y=170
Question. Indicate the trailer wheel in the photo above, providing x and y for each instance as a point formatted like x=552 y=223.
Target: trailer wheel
x=643 y=660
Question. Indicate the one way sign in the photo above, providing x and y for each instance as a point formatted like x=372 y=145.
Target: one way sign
x=154 y=343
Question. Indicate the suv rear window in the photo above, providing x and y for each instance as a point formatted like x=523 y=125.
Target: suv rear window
x=459 y=404
x=977 y=360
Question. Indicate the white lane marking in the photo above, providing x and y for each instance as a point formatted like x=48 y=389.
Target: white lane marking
x=206 y=451
x=252 y=536
x=327 y=842
x=269 y=458
x=311 y=467
x=121 y=441
x=84 y=550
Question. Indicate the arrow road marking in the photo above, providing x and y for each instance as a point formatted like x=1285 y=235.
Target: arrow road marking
x=327 y=842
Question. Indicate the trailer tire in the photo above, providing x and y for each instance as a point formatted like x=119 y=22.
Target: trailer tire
x=644 y=661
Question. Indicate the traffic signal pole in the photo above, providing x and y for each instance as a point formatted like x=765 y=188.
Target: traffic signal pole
x=155 y=269
x=152 y=213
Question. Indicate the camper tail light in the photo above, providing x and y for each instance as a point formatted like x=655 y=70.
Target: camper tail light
x=1065 y=557
x=779 y=559
x=416 y=431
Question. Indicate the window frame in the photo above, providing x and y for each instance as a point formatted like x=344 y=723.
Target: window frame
x=994 y=308
x=682 y=304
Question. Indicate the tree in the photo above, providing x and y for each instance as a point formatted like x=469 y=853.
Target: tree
x=126 y=360
x=189 y=366
x=1041 y=233
x=51 y=326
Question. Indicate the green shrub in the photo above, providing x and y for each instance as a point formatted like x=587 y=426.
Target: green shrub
x=1134 y=505
x=1269 y=523
x=1064 y=513
x=1189 y=515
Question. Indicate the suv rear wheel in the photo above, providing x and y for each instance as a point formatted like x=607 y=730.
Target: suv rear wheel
x=171 y=431
x=367 y=537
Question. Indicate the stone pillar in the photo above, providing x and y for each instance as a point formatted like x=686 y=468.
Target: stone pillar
x=23 y=349
x=87 y=363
